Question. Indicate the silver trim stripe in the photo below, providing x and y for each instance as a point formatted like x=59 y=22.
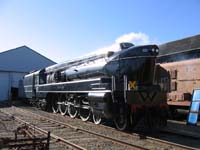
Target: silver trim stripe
x=137 y=57
x=102 y=91
x=99 y=88
x=79 y=81
x=134 y=57
x=113 y=83
x=28 y=85
x=125 y=88
x=29 y=91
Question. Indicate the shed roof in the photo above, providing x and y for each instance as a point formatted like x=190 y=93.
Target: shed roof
x=192 y=42
x=23 y=59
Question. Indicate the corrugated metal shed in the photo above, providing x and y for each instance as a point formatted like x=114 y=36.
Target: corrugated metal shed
x=14 y=64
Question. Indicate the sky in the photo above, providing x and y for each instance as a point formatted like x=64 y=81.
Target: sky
x=67 y=29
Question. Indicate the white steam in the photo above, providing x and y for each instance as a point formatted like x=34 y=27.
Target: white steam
x=135 y=38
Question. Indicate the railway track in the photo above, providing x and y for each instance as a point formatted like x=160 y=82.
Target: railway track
x=76 y=138
x=56 y=141
x=151 y=138
x=57 y=127
x=17 y=135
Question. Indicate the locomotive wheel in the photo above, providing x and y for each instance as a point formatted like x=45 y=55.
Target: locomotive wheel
x=54 y=104
x=63 y=108
x=72 y=111
x=85 y=114
x=121 y=122
x=96 y=119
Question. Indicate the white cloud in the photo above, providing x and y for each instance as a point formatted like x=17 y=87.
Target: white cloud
x=135 y=38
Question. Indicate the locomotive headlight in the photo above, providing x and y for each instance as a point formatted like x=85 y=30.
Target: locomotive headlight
x=153 y=50
x=157 y=50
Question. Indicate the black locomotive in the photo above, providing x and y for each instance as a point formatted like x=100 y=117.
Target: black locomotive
x=118 y=86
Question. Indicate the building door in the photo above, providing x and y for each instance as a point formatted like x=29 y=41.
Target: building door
x=4 y=86
x=16 y=89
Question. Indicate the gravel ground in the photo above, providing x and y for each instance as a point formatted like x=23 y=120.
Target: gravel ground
x=8 y=126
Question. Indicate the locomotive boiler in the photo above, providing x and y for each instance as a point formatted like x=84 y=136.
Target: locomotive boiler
x=118 y=86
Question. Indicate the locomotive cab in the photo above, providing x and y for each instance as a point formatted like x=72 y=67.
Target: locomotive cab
x=31 y=83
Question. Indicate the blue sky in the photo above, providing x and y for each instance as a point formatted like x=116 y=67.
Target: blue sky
x=65 y=29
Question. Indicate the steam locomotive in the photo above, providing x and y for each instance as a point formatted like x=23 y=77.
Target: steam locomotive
x=118 y=86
